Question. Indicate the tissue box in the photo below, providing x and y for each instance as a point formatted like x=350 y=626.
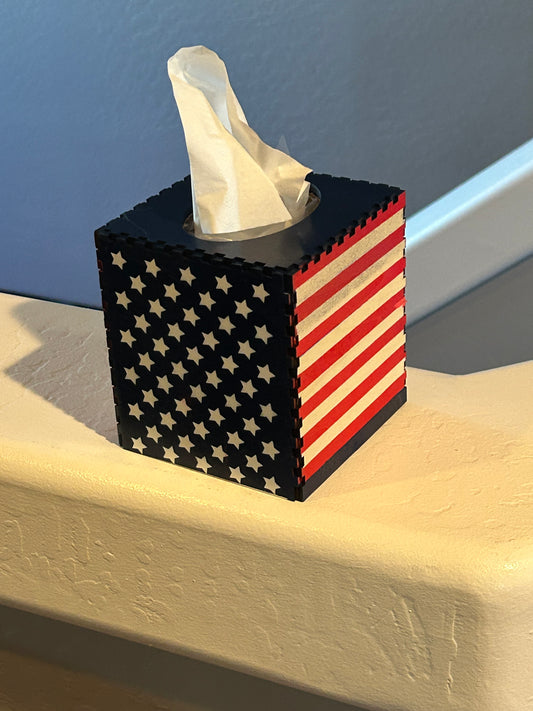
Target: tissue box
x=267 y=362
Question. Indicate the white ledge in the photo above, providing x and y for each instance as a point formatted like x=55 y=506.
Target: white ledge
x=477 y=230
x=405 y=581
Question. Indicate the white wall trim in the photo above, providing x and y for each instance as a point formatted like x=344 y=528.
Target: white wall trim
x=472 y=233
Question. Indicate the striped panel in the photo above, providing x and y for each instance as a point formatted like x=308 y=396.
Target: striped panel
x=329 y=289
x=337 y=386
x=392 y=321
x=339 y=416
x=312 y=269
x=328 y=358
x=390 y=293
x=313 y=463
x=350 y=335
x=335 y=310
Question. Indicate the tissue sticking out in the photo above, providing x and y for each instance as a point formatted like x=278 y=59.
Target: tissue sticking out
x=241 y=187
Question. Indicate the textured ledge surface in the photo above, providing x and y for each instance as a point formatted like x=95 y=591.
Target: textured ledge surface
x=404 y=582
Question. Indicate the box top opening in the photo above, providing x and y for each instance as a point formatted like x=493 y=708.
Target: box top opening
x=344 y=204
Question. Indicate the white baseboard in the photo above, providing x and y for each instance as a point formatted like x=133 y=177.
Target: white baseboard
x=472 y=233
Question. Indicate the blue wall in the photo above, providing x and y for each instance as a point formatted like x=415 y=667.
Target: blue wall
x=416 y=93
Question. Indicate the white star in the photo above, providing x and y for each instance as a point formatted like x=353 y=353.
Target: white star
x=141 y=323
x=136 y=283
x=190 y=316
x=236 y=474
x=210 y=340
x=197 y=392
x=250 y=425
x=153 y=433
x=155 y=307
x=264 y=373
x=270 y=485
x=149 y=397
x=160 y=346
x=245 y=348
x=175 y=331
x=185 y=443
x=260 y=293
x=215 y=416
x=268 y=412
x=163 y=384
x=135 y=411
x=241 y=307
x=206 y=300
x=151 y=267
x=253 y=463
x=229 y=364
x=231 y=401
x=127 y=337
x=200 y=429
x=194 y=355
x=219 y=453
x=201 y=463
x=137 y=444
x=131 y=375
x=145 y=360
x=167 y=420
x=171 y=292
x=178 y=369
x=234 y=439
x=248 y=388
x=262 y=333
x=187 y=275
x=213 y=379
x=122 y=299
x=181 y=406
x=223 y=284
x=170 y=453
x=118 y=259
x=225 y=324
x=269 y=449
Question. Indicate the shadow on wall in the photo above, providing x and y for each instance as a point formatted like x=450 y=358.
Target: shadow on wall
x=490 y=327
x=91 y=671
x=67 y=369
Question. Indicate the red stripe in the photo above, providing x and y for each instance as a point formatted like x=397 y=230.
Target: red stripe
x=331 y=287
x=352 y=398
x=341 y=439
x=329 y=323
x=344 y=345
x=326 y=258
x=352 y=368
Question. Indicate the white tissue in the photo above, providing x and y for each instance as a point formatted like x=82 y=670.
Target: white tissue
x=238 y=182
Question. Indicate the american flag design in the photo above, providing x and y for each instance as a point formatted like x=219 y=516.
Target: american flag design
x=266 y=362
x=200 y=366
x=351 y=335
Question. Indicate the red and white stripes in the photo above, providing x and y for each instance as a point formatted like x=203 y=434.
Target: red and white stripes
x=350 y=329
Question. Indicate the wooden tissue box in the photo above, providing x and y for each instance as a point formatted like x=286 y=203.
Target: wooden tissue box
x=266 y=362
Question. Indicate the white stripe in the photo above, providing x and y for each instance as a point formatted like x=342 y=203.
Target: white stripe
x=350 y=355
x=343 y=422
x=344 y=260
x=349 y=385
x=307 y=324
x=350 y=322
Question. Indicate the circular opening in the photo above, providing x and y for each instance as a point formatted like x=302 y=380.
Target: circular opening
x=313 y=202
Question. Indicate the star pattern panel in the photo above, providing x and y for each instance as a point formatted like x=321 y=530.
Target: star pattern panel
x=200 y=365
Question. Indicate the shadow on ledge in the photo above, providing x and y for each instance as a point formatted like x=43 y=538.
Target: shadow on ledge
x=69 y=368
